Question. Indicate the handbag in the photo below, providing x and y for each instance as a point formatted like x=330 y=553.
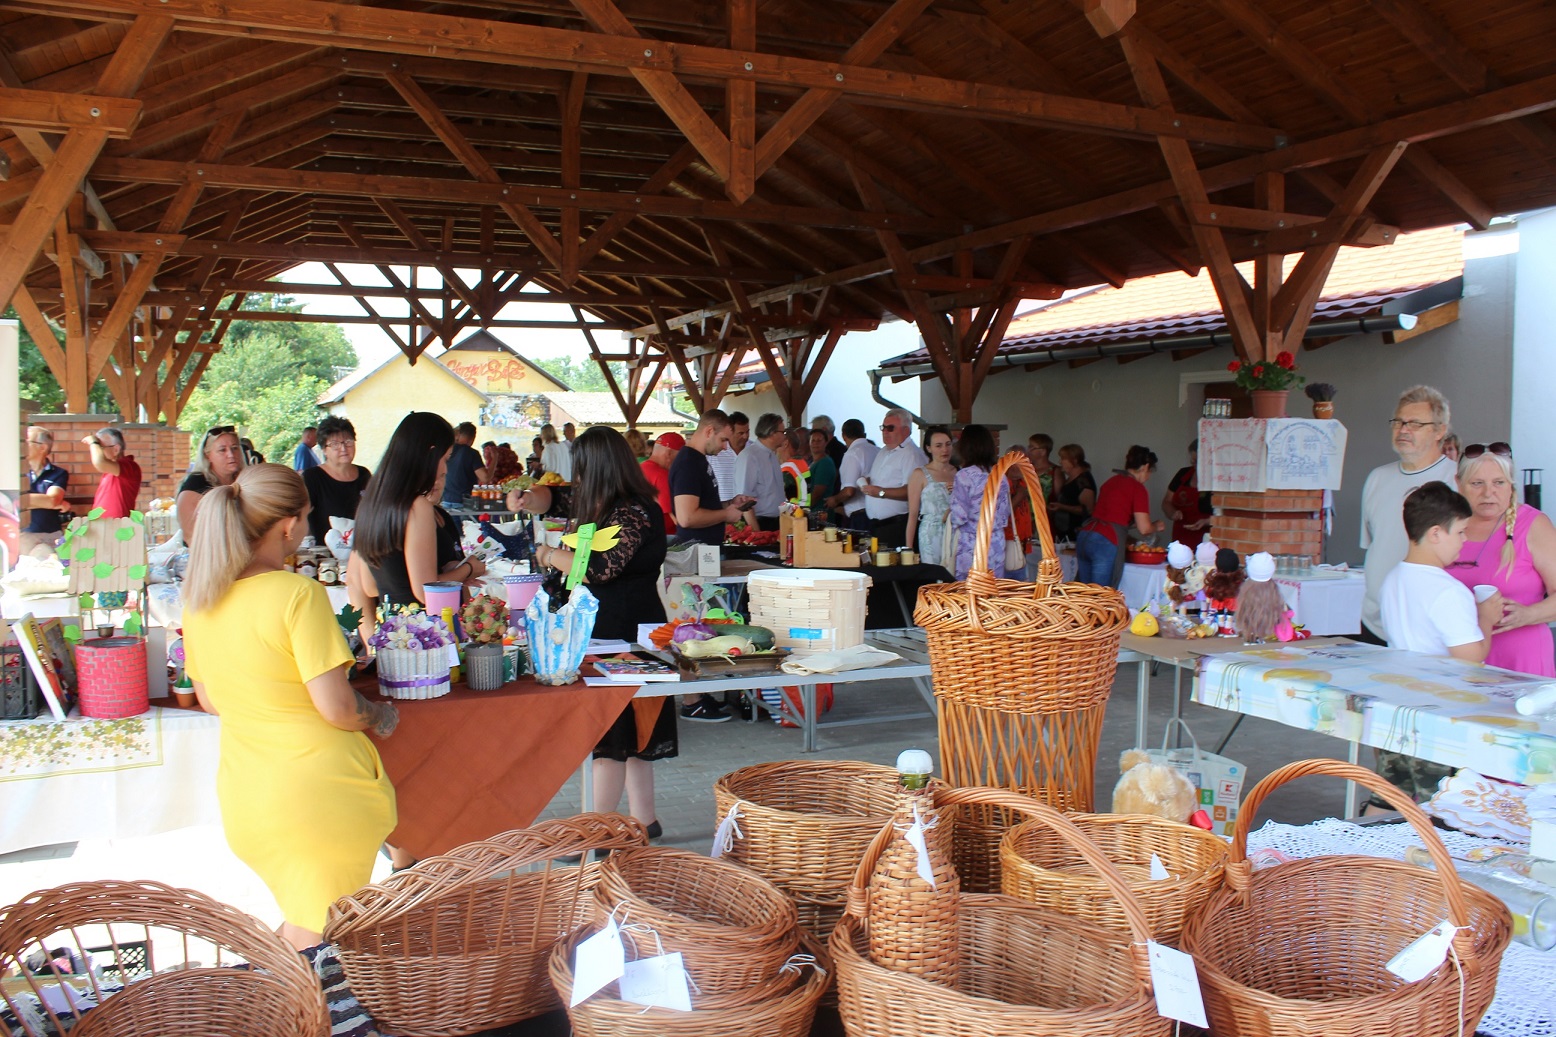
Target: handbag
x=1015 y=556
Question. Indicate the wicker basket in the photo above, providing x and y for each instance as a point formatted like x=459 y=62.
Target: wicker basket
x=1027 y=971
x=785 y=1014
x=734 y=929
x=278 y=996
x=1022 y=673
x=805 y=824
x=459 y=943
x=1037 y=865
x=1300 y=948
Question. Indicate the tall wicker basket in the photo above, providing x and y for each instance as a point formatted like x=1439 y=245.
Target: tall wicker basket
x=1022 y=673
x=1027 y=970
x=276 y=996
x=461 y=943
x=1300 y=948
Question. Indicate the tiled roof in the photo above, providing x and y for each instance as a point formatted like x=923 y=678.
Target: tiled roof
x=1173 y=304
x=601 y=408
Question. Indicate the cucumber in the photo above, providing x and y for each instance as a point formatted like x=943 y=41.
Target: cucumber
x=761 y=637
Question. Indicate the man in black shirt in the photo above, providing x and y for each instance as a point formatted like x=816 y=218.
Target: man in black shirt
x=465 y=467
x=699 y=511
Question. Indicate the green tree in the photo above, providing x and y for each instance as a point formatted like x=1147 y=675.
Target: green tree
x=581 y=374
x=267 y=378
x=39 y=384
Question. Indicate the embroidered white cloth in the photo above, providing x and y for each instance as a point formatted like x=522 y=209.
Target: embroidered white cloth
x=859 y=657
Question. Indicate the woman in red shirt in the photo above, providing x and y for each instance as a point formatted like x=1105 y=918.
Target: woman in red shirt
x=1121 y=501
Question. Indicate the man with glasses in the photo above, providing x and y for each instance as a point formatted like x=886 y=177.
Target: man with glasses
x=304 y=458
x=886 y=488
x=120 y=484
x=45 y=493
x=758 y=472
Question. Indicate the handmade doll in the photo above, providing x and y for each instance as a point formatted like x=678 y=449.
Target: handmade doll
x=1259 y=604
x=1204 y=565
x=1223 y=583
x=1179 y=558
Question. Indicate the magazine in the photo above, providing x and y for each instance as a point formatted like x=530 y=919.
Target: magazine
x=636 y=669
x=29 y=634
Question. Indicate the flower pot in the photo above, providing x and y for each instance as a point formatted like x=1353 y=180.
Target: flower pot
x=1323 y=408
x=484 y=667
x=1269 y=403
x=186 y=699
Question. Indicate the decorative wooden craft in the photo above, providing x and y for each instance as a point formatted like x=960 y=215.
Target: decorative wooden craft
x=811 y=547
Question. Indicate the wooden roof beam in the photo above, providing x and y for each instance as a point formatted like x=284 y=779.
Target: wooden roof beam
x=46 y=111
x=503 y=43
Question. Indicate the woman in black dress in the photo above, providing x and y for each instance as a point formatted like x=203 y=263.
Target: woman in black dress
x=609 y=489
x=335 y=487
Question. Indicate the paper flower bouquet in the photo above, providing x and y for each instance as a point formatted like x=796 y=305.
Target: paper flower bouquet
x=413 y=655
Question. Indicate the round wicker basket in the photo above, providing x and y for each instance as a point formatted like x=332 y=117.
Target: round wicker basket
x=1300 y=948
x=277 y=996
x=733 y=928
x=788 y=1013
x=1026 y=969
x=804 y=824
x=1022 y=673
x=1038 y=866
x=459 y=943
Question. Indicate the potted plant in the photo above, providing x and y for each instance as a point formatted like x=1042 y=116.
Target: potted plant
x=486 y=621
x=1322 y=395
x=1267 y=382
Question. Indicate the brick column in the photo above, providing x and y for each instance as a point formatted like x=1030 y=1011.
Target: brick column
x=1282 y=522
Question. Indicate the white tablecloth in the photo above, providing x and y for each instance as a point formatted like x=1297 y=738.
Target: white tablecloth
x=1328 y=603
x=1140 y=583
x=107 y=779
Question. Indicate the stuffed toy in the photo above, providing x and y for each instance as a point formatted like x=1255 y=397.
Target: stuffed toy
x=1152 y=788
x=1222 y=585
x=1288 y=629
x=1179 y=558
x=1204 y=565
x=1259 y=604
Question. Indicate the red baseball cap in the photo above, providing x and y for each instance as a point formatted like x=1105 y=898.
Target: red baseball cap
x=673 y=440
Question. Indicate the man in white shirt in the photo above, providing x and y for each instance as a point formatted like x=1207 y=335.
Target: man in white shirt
x=1421 y=420
x=724 y=462
x=856 y=466
x=886 y=489
x=759 y=473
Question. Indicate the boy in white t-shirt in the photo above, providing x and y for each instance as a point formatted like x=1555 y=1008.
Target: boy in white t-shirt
x=1424 y=608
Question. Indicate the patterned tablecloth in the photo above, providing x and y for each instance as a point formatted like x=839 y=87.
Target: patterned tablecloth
x=1437 y=708
x=107 y=779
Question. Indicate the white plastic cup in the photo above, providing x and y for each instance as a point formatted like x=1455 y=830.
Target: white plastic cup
x=1483 y=592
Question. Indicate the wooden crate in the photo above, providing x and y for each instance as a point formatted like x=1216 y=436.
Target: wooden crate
x=809 y=610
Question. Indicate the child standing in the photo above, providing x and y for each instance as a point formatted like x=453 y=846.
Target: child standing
x=1425 y=609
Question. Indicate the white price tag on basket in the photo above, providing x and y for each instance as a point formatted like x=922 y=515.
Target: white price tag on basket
x=659 y=981
x=598 y=960
x=1422 y=956
x=1158 y=870
x=1176 y=982
x=915 y=837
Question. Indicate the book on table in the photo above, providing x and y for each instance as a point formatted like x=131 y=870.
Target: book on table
x=637 y=668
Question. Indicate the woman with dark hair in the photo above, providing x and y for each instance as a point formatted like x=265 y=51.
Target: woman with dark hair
x=978 y=455
x=929 y=497
x=335 y=487
x=1069 y=507
x=403 y=539
x=609 y=489
x=1122 y=501
x=1188 y=508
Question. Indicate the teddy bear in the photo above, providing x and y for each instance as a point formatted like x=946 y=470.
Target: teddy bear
x=1152 y=788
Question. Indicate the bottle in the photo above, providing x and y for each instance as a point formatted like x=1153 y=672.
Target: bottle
x=1529 y=902
x=914 y=892
x=448 y=621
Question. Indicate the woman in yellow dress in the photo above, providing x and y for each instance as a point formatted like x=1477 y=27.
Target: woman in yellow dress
x=305 y=801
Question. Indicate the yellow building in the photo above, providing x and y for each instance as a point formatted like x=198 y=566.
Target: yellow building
x=377 y=400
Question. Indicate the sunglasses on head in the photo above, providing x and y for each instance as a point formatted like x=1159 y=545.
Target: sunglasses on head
x=221 y=430
x=1476 y=449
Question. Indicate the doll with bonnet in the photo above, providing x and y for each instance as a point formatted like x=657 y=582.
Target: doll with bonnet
x=1204 y=564
x=1259 y=605
x=1179 y=559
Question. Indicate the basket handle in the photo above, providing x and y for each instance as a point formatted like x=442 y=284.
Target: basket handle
x=980 y=579
x=1139 y=925
x=1239 y=871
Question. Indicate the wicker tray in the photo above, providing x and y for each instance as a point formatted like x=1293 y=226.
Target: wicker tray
x=1300 y=948
x=1038 y=866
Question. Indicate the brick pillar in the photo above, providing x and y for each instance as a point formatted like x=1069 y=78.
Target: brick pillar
x=1282 y=522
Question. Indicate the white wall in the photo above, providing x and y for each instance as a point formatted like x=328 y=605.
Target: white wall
x=1534 y=347
x=1107 y=406
x=843 y=391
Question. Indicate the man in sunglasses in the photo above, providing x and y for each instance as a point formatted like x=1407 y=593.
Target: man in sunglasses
x=886 y=488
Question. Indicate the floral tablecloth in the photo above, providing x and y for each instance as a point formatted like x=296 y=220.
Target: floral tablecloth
x=1434 y=707
x=106 y=779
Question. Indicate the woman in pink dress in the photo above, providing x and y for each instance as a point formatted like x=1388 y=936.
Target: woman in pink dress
x=1512 y=547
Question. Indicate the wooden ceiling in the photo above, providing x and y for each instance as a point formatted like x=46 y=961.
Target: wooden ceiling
x=718 y=176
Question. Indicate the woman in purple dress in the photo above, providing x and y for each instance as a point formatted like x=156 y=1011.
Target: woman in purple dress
x=978 y=455
x=1512 y=547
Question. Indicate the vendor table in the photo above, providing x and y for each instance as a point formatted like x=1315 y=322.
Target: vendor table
x=1435 y=707
x=64 y=781
x=1325 y=601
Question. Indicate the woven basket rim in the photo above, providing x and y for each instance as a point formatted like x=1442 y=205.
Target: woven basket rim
x=845 y=769
x=768 y=930
x=1093 y=884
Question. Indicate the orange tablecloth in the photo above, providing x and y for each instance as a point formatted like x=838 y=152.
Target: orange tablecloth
x=475 y=763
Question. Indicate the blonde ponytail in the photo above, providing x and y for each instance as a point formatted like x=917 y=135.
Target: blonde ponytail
x=1508 y=552
x=229 y=521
